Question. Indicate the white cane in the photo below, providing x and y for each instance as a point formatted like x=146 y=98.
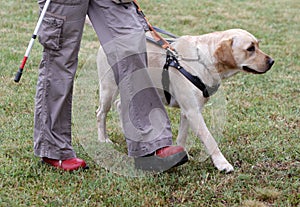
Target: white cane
x=30 y=45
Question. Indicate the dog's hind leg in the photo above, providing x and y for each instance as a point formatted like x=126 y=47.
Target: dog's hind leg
x=106 y=96
x=108 y=91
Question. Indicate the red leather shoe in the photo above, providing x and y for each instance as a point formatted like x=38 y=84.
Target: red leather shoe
x=168 y=151
x=67 y=165
x=162 y=160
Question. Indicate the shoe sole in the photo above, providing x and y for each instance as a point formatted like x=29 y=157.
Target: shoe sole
x=59 y=168
x=158 y=164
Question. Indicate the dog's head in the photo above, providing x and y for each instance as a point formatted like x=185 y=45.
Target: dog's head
x=239 y=50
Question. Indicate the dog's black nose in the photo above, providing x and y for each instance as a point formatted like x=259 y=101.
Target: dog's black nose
x=271 y=62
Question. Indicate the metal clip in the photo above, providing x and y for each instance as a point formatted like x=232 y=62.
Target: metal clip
x=172 y=52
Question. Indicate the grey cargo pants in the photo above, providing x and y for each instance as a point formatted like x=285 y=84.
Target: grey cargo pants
x=121 y=33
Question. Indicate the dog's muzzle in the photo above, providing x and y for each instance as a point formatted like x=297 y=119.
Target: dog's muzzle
x=270 y=63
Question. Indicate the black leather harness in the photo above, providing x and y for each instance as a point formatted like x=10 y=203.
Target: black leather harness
x=172 y=61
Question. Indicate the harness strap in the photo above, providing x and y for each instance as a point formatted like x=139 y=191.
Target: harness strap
x=165 y=79
x=172 y=61
x=164 y=32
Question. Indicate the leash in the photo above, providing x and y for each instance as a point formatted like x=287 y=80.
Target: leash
x=156 y=36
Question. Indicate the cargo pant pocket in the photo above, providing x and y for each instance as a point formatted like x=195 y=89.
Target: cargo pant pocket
x=50 y=35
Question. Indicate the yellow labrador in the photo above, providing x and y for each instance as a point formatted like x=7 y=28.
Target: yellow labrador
x=211 y=57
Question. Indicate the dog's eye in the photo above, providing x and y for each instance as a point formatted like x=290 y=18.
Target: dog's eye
x=251 y=48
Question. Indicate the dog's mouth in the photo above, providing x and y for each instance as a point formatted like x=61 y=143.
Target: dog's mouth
x=250 y=70
x=270 y=63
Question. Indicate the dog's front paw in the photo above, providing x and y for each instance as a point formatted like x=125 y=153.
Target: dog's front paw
x=224 y=167
x=222 y=164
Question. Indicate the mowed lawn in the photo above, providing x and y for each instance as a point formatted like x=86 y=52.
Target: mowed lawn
x=260 y=134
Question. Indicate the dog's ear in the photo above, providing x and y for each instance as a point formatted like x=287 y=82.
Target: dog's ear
x=224 y=55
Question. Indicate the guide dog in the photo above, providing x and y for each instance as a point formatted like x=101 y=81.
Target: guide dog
x=211 y=57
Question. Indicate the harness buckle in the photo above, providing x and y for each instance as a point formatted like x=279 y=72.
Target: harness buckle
x=172 y=53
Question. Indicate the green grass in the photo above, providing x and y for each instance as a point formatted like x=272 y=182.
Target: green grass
x=260 y=137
